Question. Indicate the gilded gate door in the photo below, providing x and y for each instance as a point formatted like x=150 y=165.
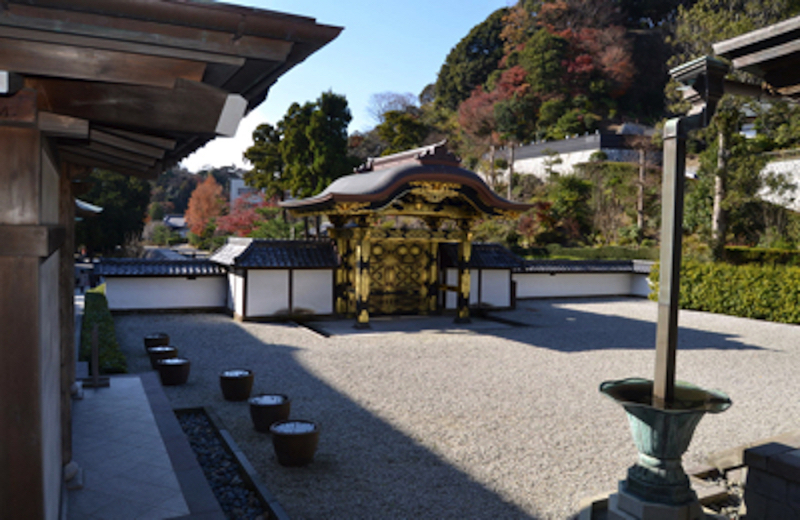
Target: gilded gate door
x=400 y=271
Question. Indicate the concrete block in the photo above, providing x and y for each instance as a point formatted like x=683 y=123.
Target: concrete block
x=644 y=510
x=756 y=505
x=786 y=465
x=763 y=483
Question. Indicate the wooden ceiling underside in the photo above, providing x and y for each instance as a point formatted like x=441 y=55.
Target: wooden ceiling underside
x=135 y=86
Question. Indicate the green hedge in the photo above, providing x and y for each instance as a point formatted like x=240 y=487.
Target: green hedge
x=738 y=255
x=96 y=312
x=602 y=253
x=764 y=292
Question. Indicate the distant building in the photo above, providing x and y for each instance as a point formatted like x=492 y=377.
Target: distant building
x=176 y=223
x=239 y=189
x=562 y=156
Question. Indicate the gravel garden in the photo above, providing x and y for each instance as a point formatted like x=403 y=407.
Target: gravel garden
x=488 y=420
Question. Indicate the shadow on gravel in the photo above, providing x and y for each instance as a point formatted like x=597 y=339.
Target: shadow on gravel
x=364 y=467
x=554 y=327
x=544 y=324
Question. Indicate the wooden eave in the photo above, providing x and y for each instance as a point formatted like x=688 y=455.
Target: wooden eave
x=137 y=85
x=771 y=53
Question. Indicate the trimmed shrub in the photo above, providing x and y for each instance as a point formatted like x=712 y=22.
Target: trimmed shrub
x=602 y=253
x=738 y=255
x=96 y=312
x=764 y=292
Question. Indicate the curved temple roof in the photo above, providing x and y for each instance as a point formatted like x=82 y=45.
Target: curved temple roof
x=417 y=182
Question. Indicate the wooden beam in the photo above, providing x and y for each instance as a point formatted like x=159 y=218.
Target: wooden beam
x=19 y=108
x=159 y=142
x=40 y=241
x=105 y=138
x=99 y=162
x=65 y=61
x=17 y=33
x=54 y=125
x=190 y=107
x=115 y=154
x=203 y=39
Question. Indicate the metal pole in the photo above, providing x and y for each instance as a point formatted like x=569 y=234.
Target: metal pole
x=671 y=239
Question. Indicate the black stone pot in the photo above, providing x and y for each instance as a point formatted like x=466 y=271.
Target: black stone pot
x=266 y=409
x=156 y=339
x=174 y=371
x=295 y=441
x=161 y=352
x=236 y=384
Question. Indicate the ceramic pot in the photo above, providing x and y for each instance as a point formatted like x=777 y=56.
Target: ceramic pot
x=295 y=441
x=161 y=352
x=174 y=371
x=266 y=409
x=662 y=435
x=236 y=384
x=156 y=339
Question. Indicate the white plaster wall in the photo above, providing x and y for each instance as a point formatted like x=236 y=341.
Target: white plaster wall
x=451 y=278
x=134 y=293
x=537 y=166
x=312 y=290
x=495 y=287
x=50 y=383
x=267 y=292
x=238 y=294
x=230 y=297
x=545 y=285
x=640 y=285
x=791 y=168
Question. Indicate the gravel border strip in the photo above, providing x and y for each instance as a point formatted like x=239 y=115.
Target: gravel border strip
x=266 y=498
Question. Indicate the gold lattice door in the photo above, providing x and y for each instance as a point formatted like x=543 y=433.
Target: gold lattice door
x=400 y=273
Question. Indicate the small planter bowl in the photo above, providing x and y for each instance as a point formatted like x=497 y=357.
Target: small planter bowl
x=161 y=352
x=295 y=441
x=236 y=384
x=266 y=409
x=174 y=371
x=156 y=339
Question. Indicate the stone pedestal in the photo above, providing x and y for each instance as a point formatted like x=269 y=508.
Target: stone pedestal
x=625 y=506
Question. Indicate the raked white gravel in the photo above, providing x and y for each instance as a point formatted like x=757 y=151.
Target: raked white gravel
x=480 y=422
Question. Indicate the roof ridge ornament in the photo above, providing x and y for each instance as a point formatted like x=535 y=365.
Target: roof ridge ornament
x=436 y=153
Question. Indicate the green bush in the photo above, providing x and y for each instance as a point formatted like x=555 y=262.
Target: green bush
x=764 y=292
x=738 y=255
x=96 y=312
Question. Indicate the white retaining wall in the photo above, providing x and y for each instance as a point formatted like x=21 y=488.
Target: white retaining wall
x=493 y=286
x=159 y=292
x=555 y=285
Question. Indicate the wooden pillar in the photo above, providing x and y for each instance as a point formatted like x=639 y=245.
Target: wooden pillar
x=341 y=274
x=362 y=282
x=67 y=307
x=433 y=277
x=464 y=254
x=30 y=375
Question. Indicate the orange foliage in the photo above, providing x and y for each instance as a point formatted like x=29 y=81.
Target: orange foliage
x=205 y=203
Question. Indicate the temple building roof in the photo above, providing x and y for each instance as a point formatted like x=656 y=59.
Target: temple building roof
x=424 y=182
x=276 y=254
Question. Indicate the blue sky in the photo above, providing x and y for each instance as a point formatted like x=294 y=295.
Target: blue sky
x=384 y=47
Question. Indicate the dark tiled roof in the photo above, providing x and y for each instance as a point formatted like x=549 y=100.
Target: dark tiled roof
x=148 y=267
x=584 y=266
x=484 y=256
x=277 y=254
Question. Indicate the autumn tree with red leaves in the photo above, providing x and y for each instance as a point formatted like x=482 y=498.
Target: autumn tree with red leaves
x=205 y=204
